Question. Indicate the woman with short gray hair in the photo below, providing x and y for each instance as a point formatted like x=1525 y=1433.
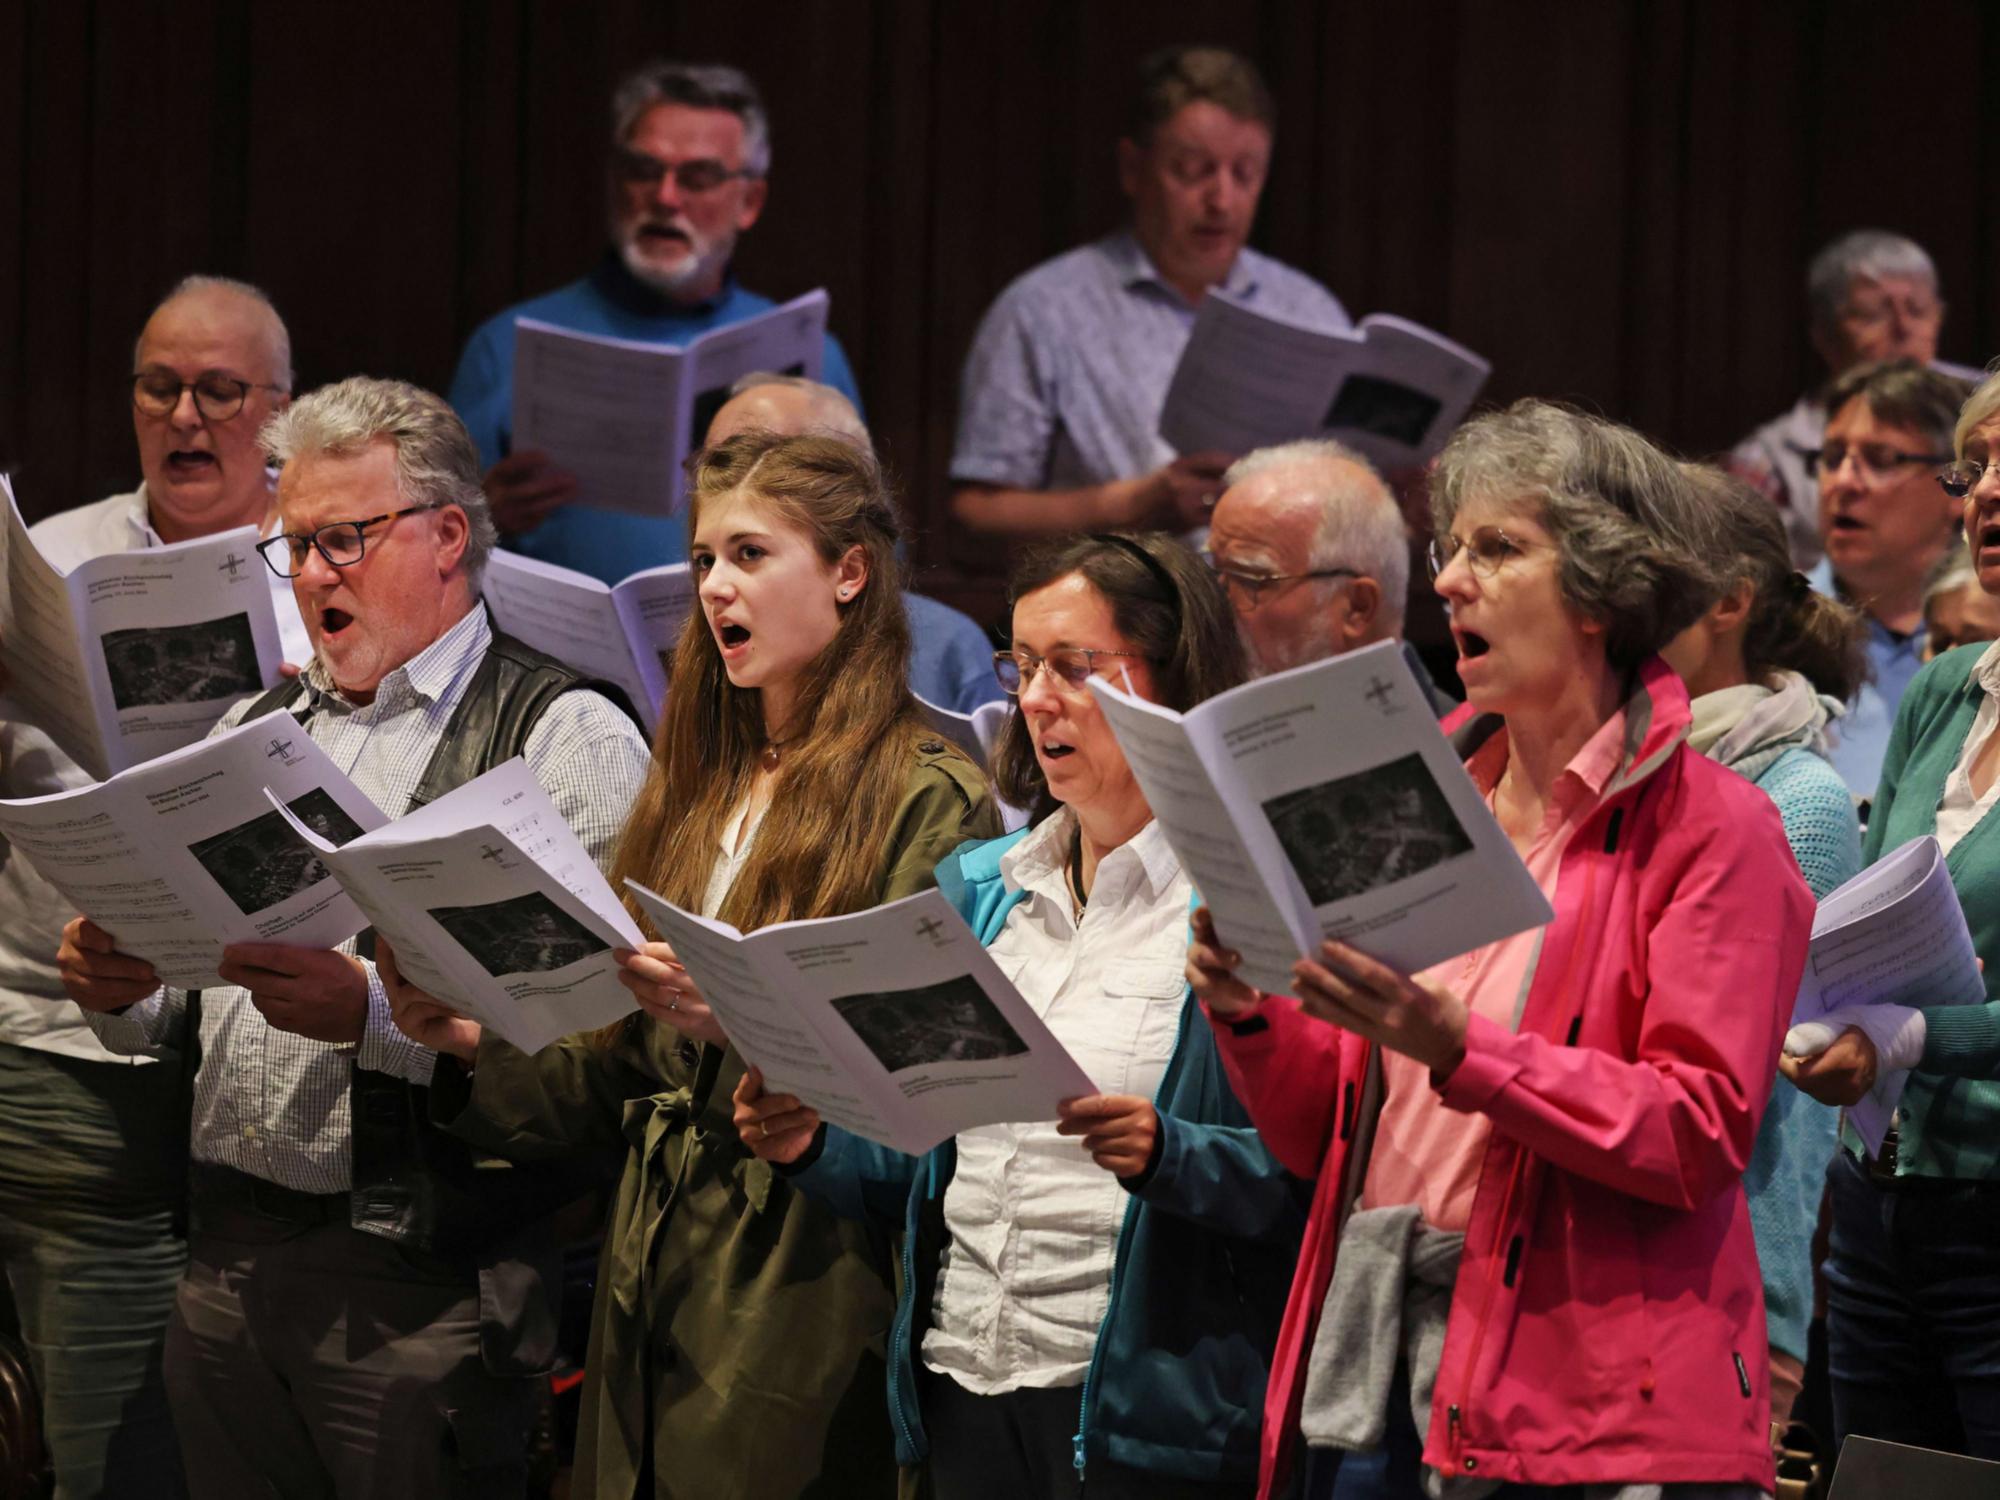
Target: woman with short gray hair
x=1529 y=1260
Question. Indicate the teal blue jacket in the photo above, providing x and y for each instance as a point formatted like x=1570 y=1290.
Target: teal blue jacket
x=1202 y=1267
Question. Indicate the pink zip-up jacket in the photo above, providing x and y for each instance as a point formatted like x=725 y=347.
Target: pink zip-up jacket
x=1607 y=1324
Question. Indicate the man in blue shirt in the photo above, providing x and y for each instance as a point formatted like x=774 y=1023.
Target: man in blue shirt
x=690 y=156
x=1059 y=404
x=1886 y=524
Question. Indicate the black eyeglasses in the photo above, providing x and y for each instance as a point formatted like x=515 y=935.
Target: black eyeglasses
x=702 y=175
x=1248 y=590
x=217 y=397
x=1072 y=665
x=341 y=543
x=1873 y=460
x=1962 y=477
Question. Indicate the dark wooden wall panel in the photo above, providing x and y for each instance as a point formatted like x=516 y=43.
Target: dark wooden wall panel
x=1614 y=201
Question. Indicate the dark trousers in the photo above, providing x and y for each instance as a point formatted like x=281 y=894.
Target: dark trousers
x=88 y=1192
x=1020 y=1446
x=1913 y=1311
x=309 y=1363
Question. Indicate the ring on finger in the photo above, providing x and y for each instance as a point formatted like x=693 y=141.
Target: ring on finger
x=764 y=1128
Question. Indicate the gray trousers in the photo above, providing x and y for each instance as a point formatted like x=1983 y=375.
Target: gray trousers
x=87 y=1196
x=313 y=1363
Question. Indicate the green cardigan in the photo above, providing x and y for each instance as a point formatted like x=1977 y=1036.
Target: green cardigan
x=739 y=1321
x=1951 y=1109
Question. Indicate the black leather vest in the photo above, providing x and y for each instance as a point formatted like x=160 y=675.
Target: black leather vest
x=413 y=1183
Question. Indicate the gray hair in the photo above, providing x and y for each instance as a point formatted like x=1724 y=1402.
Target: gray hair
x=1861 y=255
x=1629 y=525
x=281 y=338
x=436 y=462
x=699 y=86
x=1359 y=525
x=1903 y=393
x=1954 y=572
x=842 y=417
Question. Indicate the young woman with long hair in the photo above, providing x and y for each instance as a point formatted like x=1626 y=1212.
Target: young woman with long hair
x=737 y=1336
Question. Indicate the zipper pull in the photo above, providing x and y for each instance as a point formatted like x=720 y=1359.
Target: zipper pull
x=1077 y=1443
x=1451 y=1430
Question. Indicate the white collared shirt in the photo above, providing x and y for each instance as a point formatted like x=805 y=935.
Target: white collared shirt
x=34 y=1012
x=1959 y=811
x=1033 y=1220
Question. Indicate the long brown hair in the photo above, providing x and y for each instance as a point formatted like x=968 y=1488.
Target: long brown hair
x=1792 y=627
x=1163 y=600
x=853 y=734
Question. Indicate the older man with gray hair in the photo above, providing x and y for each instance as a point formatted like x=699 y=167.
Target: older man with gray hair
x=1870 y=295
x=364 y=1312
x=688 y=172
x=1311 y=549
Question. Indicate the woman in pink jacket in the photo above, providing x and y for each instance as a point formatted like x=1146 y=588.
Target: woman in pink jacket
x=1529 y=1258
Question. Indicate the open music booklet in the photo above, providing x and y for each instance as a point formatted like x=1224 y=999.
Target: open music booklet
x=1391 y=389
x=1893 y=935
x=893 y=1023
x=624 y=633
x=133 y=654
x=622 y=416
x=493 y=905
x=182 y=856
x=1324 y=802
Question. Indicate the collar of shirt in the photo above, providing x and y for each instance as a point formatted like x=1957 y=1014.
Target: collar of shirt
x=1881 y=639
x=1986 y=671
x=424 y=678
x=1039 y=864
x=1135 y=268
x=1585 y=777
x=139 y=516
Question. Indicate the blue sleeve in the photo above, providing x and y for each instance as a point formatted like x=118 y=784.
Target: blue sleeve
x=1006 y=414
x=1819 y=819
x=1783 y=1181
x=1222 y=1178
x=482 y=390
x=951 y=659
x=836 y=372
x=858 y=1179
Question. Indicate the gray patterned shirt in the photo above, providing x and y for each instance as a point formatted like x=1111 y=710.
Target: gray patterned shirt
x=274 y=1104
x=1068 y=372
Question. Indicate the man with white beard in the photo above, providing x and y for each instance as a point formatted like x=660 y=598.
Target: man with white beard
x=1310 y=547
x=688 y=169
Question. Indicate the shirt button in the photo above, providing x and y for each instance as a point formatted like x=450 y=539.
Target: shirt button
x=249 y=1132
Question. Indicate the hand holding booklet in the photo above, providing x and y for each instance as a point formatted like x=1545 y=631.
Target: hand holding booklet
x=493 y=906
x=622 y=415
x=1893 y=935
x=894 y=1023
x=1324 y=802
x=623 y=633
x=133 y=654
x=182 y=856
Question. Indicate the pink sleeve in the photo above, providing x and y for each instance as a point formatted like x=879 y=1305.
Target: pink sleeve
x=1287 y=1073
x=1675 y=1124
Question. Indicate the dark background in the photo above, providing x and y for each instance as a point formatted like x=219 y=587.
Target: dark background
x=1612 y=201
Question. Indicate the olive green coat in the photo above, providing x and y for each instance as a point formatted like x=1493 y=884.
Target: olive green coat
x=739 y=1321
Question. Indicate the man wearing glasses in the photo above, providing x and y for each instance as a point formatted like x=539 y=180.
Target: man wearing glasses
x=1870 y=295
x=688 y=175
x=1310 y=547
x=1885 y=524
x=364 y=1312
x=88 y=1146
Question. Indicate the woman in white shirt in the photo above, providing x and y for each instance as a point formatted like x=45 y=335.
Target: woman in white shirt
x=1095 y=1294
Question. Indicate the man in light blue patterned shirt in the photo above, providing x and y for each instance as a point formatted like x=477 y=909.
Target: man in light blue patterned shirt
x=323 y=1344
x=1059 y=404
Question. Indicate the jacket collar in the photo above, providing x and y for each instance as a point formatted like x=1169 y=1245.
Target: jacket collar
x=1657 y=719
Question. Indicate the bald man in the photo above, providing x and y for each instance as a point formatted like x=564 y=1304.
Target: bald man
x=951 y=658
x=88 y=1178
x=1311 y=549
